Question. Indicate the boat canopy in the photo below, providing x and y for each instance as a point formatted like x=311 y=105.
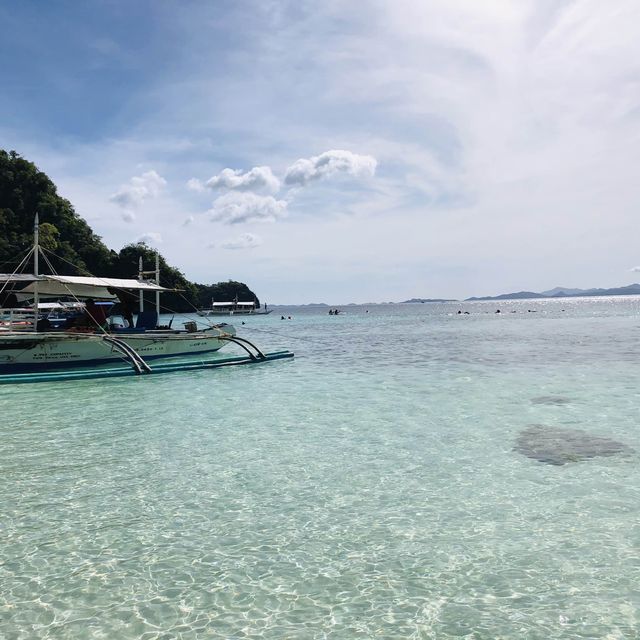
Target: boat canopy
x=233 y=304
x=78 y=286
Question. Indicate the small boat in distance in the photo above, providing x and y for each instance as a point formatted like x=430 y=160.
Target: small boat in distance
x=234 y=308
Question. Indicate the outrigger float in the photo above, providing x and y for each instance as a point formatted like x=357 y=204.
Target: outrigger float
x=33 y=350
x=139 y=367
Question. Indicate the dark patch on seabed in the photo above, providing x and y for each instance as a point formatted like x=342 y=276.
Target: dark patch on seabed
x=554 y=400
x=553 y=445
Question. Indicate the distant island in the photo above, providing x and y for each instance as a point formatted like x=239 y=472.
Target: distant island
x=427 y=300
x=563 y=292
x=556 y=292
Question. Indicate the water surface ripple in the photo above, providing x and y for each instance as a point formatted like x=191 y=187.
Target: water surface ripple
x=368 y=488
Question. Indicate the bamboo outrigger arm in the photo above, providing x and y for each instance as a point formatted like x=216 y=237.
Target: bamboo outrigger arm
x=137 y=362
x=242 y=342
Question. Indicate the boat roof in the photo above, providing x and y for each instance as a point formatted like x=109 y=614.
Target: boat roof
x=79 y=286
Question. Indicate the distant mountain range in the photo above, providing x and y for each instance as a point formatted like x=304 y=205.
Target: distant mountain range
x=428 y=300
x=556 y=292
x=563 y=292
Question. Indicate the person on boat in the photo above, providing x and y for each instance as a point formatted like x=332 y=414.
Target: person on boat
x=127 y=304
x=94 y=316
x=9 y=301
x=43 y=324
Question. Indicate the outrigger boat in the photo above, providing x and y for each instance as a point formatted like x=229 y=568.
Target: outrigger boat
x=30 y=349
x=234 y=308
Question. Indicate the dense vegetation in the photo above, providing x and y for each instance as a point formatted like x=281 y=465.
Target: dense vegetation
x=74 y=249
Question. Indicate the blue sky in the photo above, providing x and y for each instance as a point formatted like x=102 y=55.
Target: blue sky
x=338 y=152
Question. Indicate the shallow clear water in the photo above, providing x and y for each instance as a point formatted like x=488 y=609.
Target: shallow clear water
x=367 y=488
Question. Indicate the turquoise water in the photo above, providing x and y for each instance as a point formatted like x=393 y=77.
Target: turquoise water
x=367 y=488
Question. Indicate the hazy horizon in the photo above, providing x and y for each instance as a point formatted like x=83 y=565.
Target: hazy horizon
x=478 y=298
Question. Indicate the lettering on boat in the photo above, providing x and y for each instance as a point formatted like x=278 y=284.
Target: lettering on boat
x=61 y=355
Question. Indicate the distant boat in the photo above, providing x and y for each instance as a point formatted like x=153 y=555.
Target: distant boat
x=234 y=308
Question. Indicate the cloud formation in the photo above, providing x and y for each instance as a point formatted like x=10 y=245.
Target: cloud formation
x=306 y=170
x=243 y=241
x=257 y=179
x=151 y=237
x=234 y=208
x=139 y=189
x=195 y=185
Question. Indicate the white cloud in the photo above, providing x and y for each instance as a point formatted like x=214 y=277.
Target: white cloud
x=151 y=237
x=234 y=208
x=139 y=189
x=188 y=220
x=329 y=163
x=195 y=185
x=257 y=179
x=128 y=216
x=244 y=241
x=635 y=269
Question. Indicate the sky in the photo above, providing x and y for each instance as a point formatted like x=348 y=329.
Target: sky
x=365 y=151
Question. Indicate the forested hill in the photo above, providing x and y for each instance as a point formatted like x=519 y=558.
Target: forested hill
x=69 y=240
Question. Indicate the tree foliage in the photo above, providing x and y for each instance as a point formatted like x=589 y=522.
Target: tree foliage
x=225 y=292
x=73 y=248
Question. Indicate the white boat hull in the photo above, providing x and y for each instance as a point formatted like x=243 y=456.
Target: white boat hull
x=32 y=351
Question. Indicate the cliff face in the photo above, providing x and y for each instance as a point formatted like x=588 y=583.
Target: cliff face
x=68 y=240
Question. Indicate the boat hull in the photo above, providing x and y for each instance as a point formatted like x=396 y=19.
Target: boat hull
x=44 y=351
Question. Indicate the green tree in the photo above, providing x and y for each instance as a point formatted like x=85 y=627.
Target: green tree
x=67 y=238
x=49 y=236
x=225 y=292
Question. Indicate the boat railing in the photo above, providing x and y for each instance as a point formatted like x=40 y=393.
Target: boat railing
x=17 y=319
x=22 y=318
